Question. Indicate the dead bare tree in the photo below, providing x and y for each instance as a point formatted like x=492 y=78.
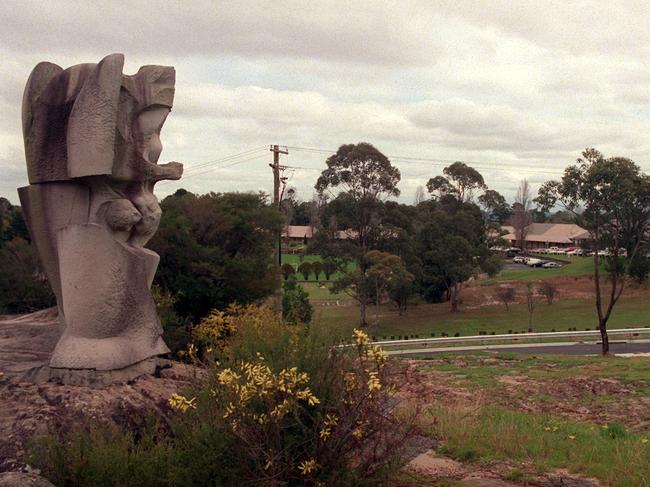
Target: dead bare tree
x=548 y=290
x=530 y=303
x=506 y=294
x=522 y=213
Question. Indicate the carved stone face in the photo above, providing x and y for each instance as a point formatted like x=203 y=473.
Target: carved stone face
x=147 y=132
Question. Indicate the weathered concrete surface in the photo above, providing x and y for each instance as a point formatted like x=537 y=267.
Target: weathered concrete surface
x=27 y=341
x=92 y=144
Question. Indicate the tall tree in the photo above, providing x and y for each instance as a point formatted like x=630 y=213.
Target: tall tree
x=522 y=213
x=364 y=179
x=386 y=271
x=452 y=246
x=615 y=195
x=495 y=208
x=459 y=180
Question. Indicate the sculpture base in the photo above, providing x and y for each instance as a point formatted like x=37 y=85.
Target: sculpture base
x=92 y=377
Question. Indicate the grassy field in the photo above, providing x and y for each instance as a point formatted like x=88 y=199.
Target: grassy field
x=525 y=416
x=579 y=266
x=425 y=319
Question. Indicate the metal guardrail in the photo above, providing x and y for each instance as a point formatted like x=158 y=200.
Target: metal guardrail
x=512 y=337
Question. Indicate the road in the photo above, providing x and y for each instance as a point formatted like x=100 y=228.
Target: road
x=560 y=348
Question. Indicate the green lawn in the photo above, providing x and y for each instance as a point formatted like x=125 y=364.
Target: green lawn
x=319 y=291
x=579 y=266
x=425 y=319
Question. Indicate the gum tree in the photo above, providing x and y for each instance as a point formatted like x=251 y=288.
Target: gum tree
x=364 y=179
x=615 y=196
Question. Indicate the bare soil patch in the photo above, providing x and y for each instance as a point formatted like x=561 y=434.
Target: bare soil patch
x=597 y=400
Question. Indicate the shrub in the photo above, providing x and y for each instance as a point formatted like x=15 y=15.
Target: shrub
x=287 y=270
x=175 y=329
x=506 y=294
x=317 y=269
x=548 y=290
x=281 y=407
x=23 y=285
x=305 y=269
x=296 y=307
x=334 y=426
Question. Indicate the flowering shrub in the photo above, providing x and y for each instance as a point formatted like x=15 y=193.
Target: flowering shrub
x=331 y=428
x=278 y=406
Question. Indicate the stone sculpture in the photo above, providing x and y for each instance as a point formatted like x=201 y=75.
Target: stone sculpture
x=92 y=142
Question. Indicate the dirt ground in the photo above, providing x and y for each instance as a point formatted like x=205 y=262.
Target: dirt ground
x=27 y=409
x=476 y=295
x=581 y=397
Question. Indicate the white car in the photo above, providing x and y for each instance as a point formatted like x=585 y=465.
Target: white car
x=519 y=260
x=575 y=252
x=534 y=262
x=551 y=265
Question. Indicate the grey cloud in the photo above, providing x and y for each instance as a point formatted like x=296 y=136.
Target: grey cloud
x=334 y=31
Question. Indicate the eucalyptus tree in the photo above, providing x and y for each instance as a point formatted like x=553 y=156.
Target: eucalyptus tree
x=615 y=197
x=360 y=179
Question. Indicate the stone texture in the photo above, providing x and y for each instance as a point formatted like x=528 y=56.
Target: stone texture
x=23 y=479
x=433 y=465
x=92 y=143
x=29 y=407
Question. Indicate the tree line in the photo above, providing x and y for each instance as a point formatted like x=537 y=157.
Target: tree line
x=217 y=248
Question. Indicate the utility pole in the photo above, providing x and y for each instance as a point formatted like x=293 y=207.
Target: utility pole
x=276 y=201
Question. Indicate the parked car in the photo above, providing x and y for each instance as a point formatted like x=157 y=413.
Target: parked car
x=534 y=262
x=575 y=252
x=551 y=265
x=519 y=260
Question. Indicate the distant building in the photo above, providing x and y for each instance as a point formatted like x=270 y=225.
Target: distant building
x=544 y=235
x=304 y=233
x=298 y=233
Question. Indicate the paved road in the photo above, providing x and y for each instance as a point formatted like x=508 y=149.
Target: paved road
x=560 y=348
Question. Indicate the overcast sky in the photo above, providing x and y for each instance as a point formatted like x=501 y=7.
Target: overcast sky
x=516 y=89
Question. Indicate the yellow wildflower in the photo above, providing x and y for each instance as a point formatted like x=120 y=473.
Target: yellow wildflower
x=307 y=466
x=331 y=420
x=571 y=437
x=325 y=433
x=373 y=382
x=306 y=395
x=357 y=433
x=269 y=464
x=227 y=376
x=360 y=337
x=181 y=403
x=547 y=429
x=230 y=408
x=377 y=354
x=644 y=440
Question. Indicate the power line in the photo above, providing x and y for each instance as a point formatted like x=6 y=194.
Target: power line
x=433 y=161
x=225 y=159
x=212 y=169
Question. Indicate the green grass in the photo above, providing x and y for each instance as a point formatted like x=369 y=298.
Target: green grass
x=579 y=266
x=319 y=291
x=490 y=433
x=474 y=371
x=425 y=319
